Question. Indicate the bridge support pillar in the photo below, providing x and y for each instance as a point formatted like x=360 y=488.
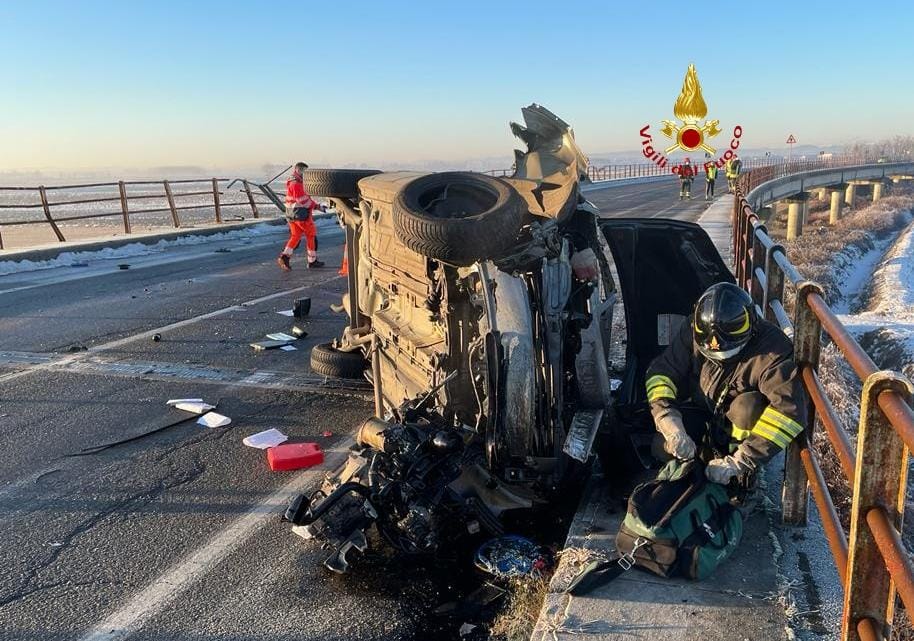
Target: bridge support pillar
x=797 y=211
x=850 y=194
x=877 y=190
x=837 y=203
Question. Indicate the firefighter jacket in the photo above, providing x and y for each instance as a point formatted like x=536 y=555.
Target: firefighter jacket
x=765 y=364
x=686 y=172
x=732 y=167
x=299 y=203
x=711 y=172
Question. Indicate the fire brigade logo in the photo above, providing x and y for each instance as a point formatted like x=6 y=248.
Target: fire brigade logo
x=690 y=131
x=690 y=108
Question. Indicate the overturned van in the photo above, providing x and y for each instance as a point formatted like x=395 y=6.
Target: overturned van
x=481 y=310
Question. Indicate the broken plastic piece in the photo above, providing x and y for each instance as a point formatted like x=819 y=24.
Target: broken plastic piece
x=288 y=348
x=197 y=407
x=280 y=336
x=260 y=346
x=266 y=439
x=301 y=307
x=212 y=419
x=175 y=401
x=285 y=312
x=299 y=332
x=294 y=456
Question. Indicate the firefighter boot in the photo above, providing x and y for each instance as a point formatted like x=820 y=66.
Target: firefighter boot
x=315 y=264
x=283 y=262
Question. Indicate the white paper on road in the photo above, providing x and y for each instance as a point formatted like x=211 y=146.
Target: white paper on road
x=197 y=407
x=175 y=401
x=264 y=440
x=212 y=419
x=286 y=312
x=288 y=348
x=280 y=336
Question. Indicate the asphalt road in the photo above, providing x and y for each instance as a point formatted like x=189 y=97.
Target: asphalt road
x=176 y=534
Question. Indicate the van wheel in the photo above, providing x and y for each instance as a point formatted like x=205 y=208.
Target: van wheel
x=335 y=183
x=330 y=361
x=458 y=217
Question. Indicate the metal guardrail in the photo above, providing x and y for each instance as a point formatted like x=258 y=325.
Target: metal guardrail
x=188 y=196
x=873 y=563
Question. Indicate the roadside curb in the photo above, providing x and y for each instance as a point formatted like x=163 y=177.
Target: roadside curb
x=49 y=253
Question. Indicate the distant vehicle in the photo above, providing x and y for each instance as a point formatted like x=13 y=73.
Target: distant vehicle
x=487 y=348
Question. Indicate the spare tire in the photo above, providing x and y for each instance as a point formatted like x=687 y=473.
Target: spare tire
x=330 y=361
x=335 y=183
x=458 y=217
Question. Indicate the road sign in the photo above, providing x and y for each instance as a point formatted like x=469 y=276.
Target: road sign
x=791 y=140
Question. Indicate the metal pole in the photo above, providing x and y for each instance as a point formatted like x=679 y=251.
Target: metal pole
x=124 y=210
x=247 y=188
x=216 y=200
x=880 y=482
x=171 y=204
x=47 y=214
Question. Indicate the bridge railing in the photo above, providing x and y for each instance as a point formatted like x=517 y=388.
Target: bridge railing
x=129 y=201
x=872 y=561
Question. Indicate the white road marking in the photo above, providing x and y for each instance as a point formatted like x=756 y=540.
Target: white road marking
x=66 y=360
x=151 y=600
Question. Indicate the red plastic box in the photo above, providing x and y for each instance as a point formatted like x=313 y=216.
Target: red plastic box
x=294 y=456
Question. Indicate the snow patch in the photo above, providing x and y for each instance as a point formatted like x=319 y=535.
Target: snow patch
x=68 y=259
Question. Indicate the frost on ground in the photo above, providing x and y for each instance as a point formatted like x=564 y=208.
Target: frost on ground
x=866 y=266
x=67 y=259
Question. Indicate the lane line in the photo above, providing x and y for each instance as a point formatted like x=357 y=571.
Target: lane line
x=69 y=359
x=155 y=597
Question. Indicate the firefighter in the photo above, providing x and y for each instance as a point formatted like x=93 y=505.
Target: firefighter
x=710 y=177
x=300 y=215
x=738 y=371
x=686 y=174
x=732 y=169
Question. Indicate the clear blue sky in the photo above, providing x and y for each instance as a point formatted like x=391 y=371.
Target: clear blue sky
x=90 y=84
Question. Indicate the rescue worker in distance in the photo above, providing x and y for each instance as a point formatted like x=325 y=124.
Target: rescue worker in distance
x=710 y=177
x=732 y=168
x=300 y=216
x=686 y=175
x=738 y=369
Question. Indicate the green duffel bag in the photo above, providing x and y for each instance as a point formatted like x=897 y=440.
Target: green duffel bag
x=679 y=524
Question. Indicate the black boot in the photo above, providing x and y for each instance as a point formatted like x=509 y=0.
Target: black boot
x=283 y=262
x=317 y=264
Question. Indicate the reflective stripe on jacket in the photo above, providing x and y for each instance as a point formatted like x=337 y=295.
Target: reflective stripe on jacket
x=764 y=365
x=296 y=196
x=711 y=172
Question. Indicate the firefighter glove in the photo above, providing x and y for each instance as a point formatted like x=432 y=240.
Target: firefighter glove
x=677 y=441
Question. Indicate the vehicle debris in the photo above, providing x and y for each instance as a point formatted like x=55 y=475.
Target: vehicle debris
x=286 y=312
x=281 y=336
x=288 y=348
x=294 y=456
x=212 y=419
x=301 y=307
x=266 y=439
x=195 y=407
x=511 y=556
x=261 y=346
x=173 y=402
x=298 y=331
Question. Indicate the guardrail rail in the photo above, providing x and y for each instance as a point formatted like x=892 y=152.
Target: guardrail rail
x=872 y=561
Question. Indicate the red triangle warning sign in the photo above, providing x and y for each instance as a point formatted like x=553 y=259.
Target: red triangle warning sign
x=791 y=140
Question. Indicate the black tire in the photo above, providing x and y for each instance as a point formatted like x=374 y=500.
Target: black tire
x=329 y=361
x=458 y=217
x=335 y=183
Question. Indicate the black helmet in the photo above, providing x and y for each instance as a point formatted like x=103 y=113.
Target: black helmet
x=724 y=321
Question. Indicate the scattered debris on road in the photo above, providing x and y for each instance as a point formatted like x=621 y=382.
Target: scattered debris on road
x=288 y=348
x=298 y=331
x=281 y=336
x=511 y=556
x=194 y=406
x=286 y=312
x=266 y=439
x=124 y=266
x=294 y=456
x=212 y=419
x=301 y=307
x=261 y=346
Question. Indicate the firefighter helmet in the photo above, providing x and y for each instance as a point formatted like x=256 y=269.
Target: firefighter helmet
x=724 y=321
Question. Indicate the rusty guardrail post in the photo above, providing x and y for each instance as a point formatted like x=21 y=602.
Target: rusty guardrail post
x=880 y=482
x=216 y=200
x=47 y=214
x=247 y=189
x=124 y=210
x=171 y=203
x=807 y=342
x=216 y=204
x=774 y=276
